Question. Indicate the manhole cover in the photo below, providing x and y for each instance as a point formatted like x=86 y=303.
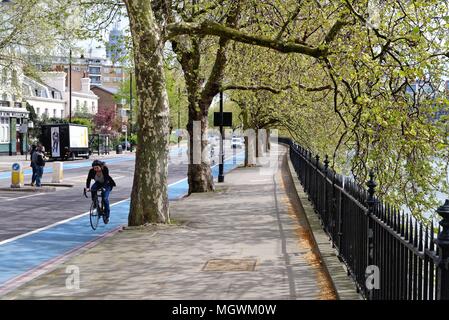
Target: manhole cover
x=230 y=265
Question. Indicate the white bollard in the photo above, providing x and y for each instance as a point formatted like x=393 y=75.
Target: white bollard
x=57 y=172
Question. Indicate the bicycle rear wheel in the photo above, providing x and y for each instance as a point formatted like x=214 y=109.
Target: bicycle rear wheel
x=94 y=217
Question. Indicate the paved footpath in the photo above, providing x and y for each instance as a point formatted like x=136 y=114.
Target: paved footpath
x=247 y=240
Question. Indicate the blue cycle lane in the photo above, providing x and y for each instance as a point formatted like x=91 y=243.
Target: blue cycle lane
x=23 y=254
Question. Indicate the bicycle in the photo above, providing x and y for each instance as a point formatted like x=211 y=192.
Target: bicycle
x=96 y=209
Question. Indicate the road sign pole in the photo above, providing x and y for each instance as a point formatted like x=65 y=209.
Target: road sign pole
x=126 y=140
x=221 y=165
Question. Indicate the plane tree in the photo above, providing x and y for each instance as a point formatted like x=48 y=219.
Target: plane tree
x=369 y=61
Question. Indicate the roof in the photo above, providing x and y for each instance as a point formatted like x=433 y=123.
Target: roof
x=43 y=84
x=105 y=89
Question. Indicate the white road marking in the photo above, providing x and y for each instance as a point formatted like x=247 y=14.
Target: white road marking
x=23 y=197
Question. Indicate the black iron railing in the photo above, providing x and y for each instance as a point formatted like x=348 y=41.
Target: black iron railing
x=389 y=254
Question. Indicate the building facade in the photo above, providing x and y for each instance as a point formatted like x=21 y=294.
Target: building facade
x=115 y=48
x=13 y=112
x=47 y=101
x=102 y=72
x=83 y=99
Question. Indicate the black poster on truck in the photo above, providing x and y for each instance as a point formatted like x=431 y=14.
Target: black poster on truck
x=55 y=145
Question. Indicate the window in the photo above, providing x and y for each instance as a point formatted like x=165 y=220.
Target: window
x=46 y=112
x=26 y=90
x=94 y=70
x=14 y=78
x=4 y=130
x=95 y=79
x=77 y=104
x=62 y=114
x=85 y=104
x=38 y=111
x=14 y=97
x=54 y=113
x=5 y=97
x=4 y=75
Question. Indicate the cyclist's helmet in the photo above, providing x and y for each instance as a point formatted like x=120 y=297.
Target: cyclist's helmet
x=97 y=163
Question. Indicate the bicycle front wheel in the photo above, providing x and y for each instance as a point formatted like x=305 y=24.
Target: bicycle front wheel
x=94 y=216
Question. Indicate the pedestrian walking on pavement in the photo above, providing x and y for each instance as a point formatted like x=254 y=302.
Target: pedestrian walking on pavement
x=32 y=164
x=39 y=160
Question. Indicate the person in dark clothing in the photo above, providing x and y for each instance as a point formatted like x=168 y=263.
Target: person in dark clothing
x=32 y=164
x=38 y=159
x=100 y=174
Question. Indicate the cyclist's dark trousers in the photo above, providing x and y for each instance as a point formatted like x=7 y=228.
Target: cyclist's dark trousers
x=107 y=191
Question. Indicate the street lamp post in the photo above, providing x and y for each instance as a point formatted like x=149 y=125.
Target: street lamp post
x=30 y=125
x=70 y=86
x=179 y=118
x=221 y=165
x=131 y=102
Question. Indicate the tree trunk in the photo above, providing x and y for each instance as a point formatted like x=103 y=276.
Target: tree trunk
x=246 y=152
x=201 y=96
x=268 y=144
x=251 y=136
x=257 y=142
x=199 y=172
x=149 y=199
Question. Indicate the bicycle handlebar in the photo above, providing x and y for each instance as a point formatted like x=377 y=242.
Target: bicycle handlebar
x=85 y=191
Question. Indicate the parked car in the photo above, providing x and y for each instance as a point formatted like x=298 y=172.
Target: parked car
x=237 y=142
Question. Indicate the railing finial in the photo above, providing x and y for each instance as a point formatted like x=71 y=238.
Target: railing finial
x=371 y=184
x=443 y=253
x=326 y=162
x=443 y=211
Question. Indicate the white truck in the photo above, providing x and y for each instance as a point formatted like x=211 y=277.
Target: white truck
x=65 y=141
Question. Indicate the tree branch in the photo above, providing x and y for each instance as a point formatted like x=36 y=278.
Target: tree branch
x=274 y=90
x=338 y=25
x=215 y=29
